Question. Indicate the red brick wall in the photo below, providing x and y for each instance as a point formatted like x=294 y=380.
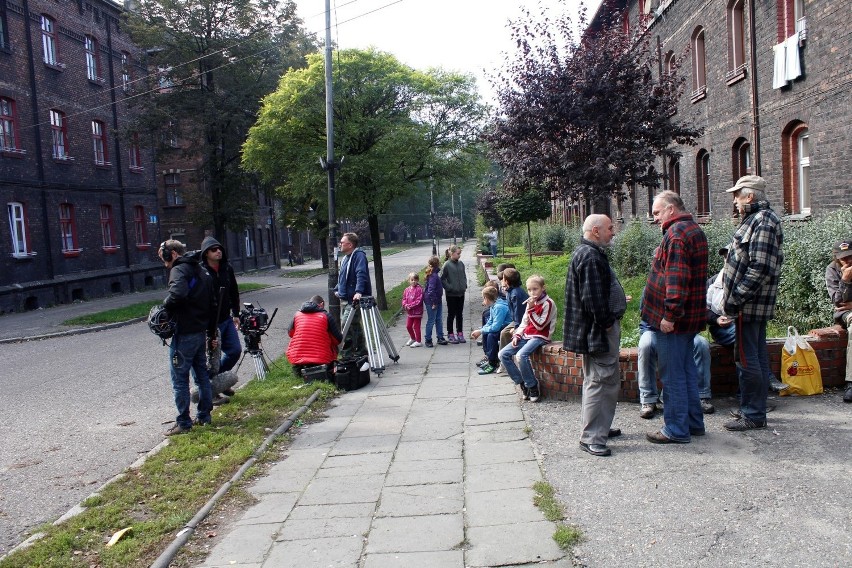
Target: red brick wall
x=561 y=377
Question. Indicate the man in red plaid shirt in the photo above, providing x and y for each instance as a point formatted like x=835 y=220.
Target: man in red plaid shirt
x=675 y=307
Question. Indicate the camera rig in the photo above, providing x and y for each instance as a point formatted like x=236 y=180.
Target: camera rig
x=254 y=321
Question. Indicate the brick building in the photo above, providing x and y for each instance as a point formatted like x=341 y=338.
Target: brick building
x=769 y=84
x=78 y=185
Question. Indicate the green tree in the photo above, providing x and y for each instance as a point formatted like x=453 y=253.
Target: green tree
x=216 y=60
x=533 y=204
x=395 y=127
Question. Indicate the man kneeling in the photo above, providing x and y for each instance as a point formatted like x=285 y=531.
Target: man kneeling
x=314 y=335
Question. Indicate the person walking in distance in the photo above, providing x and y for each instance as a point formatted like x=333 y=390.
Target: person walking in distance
x=749 y=289
x=674 y=306
x=433 y=298
x=454 y=280
x=192 y=303
x=412 y=303
x=353 y=281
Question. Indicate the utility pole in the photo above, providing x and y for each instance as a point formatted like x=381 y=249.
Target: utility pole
x=329 y=166
x=453 y=207
x=432 y=220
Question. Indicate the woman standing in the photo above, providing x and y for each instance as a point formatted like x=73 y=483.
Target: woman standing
x=454 y=279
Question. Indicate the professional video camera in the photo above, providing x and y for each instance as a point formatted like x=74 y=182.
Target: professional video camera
x=254 y=321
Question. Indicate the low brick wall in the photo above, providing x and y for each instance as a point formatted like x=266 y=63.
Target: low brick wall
x=560 y=372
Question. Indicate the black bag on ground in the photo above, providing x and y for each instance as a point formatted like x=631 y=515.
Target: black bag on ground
x=317 y=373
x=349 y=376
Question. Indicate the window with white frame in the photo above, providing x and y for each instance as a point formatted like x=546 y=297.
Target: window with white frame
x=803 y=147
x=8 y=125
x=249 y=239
x=126 y=77
x=107 y=226
x=59 y=134
x=99 y=143
x=18 y=229
x=67 y=227
x=93 y=60
x=48 y=39
x=4 y=41
x=699 y=72
x=174 y=192
x=736 y=42
x=702 y=179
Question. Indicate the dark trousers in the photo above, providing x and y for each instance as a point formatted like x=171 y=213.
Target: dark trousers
x=491 y=346
x=455 y=308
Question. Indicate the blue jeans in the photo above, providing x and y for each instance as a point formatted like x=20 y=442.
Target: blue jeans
x=433 y=319
x=752 y=359
x=493 y=249
x=523 y=350
x=230 y=342
x=725 y=336
x=681 y=404
x=189 y=351
x=647 y=366
x=491 y=346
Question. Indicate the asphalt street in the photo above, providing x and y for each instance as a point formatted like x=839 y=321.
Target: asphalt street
x=78 y=409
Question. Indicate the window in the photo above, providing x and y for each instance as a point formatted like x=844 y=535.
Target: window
x=59 y=135
x=674 y=175
x=93 y=60
x=99 y=143
x=174 y=193
x=699 y=75
x=67 y=227
x=669 y=62
x=736 y=43
x=134 y=153
x=796 y=165
x=139 y=226
x=249 y=237
x=740 y=159
x=8 y=126
x=702 y=179
x=18 y=229
x=4 y=40
x=107 y=227
x=126 y=77
x=791 y=19
x=48 y=40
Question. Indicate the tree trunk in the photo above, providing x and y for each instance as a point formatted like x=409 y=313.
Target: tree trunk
x=379 y=290
x=529 y=242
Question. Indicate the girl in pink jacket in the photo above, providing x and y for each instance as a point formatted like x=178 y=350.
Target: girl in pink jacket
x=412 y=303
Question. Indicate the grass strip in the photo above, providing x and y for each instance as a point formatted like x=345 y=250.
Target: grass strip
x=161 y=496
x=307 y=273
x=566 y=536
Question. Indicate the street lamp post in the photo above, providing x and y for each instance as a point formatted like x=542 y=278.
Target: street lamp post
x=432 y=220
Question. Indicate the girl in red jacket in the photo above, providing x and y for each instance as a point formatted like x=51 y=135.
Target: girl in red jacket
x=412 y=303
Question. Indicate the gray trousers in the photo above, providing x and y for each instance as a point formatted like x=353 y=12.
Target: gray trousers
x=601 y=383
x=847 y=321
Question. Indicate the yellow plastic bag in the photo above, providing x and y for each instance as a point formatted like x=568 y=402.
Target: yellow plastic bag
x=799 y=366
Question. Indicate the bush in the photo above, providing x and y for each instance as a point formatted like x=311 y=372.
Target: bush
x=633 y=248
x=546 y=237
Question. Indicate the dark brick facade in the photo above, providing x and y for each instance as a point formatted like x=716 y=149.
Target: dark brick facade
x=818 y=99
x=51 y=271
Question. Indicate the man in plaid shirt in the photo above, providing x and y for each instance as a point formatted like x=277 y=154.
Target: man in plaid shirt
x=674 y=306
x=750 y=286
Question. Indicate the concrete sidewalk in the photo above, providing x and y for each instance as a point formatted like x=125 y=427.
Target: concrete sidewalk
x=430 y=465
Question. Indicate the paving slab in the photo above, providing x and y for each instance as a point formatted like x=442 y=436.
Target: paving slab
x=501 y=507
x=344 y=510
x=247 y=544
x=299 y=529
x=282 y=480
x=341 y=552
x=413 y=500
x=272 y=508
x=335 y=490
x=510 y=545
x=512 y=475
x=365 y=445
x=416 y=534
x=427 y=450
x=355 y=464
x=419 y=473
x=442 y=559
x=481 y=453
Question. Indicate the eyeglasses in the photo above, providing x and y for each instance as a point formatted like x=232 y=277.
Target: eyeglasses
x=215 y=249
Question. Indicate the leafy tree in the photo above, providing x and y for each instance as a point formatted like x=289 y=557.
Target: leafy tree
x=584 y=119
x=531 y=205
x=396 y=128
x=217 y=59
x=448 y=226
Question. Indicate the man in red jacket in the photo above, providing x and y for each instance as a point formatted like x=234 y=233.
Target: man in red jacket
x=314 y=336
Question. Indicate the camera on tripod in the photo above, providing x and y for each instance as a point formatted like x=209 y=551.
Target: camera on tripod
x=254 y=321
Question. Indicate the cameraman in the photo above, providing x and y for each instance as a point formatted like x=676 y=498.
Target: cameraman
x=193 y=305
x=314 y=336
x=226 y=290
x=352 y=283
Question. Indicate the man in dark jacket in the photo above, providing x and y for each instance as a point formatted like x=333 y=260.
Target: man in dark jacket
x=750 y=286
x=353 y=281
x=228 y=296
x=314 y=336
x=675 y=307
x=192 y=303
x=594 y=305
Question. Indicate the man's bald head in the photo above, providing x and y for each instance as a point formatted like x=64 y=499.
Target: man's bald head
x=598 y=229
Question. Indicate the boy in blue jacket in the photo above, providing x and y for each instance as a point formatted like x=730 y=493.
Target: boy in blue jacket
x=498 y=318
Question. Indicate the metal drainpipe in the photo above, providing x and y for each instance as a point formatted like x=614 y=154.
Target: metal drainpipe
x=755 y=111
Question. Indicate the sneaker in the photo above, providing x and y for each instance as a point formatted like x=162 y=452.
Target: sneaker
x=429 y=344
x=500 y=369
x=479 y=342
x=738 y=414
x=409 y=342
x=742 y=424
x=482 y=362
x=219 y=400
x=525 y=392
x=535 y=395
x=416 y=344
x=648 y=410
x=707 y=407
x=460 y=338
x=442 y=341
x=451 y=338
x=487 y=369
x=177 y=429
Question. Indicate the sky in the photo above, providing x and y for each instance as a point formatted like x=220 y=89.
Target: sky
x=470 y=36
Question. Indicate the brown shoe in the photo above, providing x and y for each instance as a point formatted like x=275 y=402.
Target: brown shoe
x=177 y=429
x=648 y=410
x=659 y=438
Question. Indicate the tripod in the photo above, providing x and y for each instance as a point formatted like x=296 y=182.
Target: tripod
x=254 y=323
x=375 y=333
x=255 y=349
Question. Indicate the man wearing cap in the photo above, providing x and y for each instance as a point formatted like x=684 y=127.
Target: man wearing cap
x=750 y=286
x=838 y=282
